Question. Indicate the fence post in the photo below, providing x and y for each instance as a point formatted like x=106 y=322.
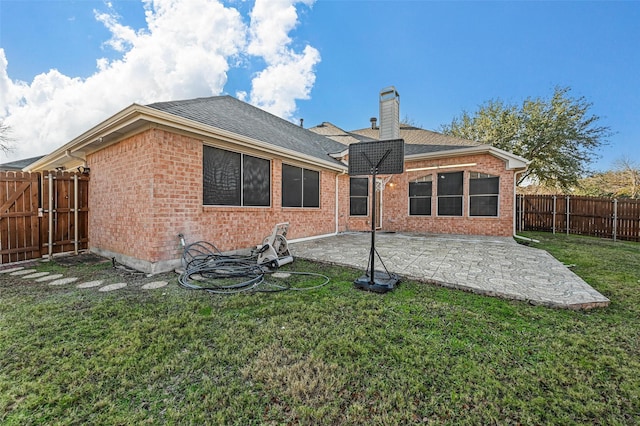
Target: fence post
x=517 y=213
x=75 y=214
x=519 y=210
x=615 y=218
x=568 y=215
x=50 y=210
x=522 y=216
x=553 y=226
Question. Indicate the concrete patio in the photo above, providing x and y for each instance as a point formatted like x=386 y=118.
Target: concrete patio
x=492 y=266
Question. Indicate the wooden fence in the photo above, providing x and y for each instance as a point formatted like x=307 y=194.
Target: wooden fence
x=42 y=214
x=599 y=217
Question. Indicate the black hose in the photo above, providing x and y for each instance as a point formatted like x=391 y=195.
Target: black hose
x=206 y=268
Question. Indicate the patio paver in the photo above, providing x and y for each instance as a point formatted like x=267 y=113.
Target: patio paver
x=493 y=266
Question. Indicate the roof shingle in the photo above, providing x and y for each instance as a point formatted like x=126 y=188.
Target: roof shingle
x=233 y=115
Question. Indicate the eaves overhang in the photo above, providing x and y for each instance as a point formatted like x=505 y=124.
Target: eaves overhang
x=512 y=161
x=137 y=118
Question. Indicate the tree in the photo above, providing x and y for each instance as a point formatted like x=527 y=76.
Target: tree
x=630 y=171
x=5 y=138
x=623 y=181
x=409 y=122
x=558 y=135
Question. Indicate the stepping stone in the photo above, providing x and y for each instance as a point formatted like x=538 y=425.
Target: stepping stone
x=63 y=281
x=90 y=284
x=23 y=272
x=112 y=287
x=36 y=275
x=49 y=278
x=280 y=275
x=8 y=271
x=154 y=285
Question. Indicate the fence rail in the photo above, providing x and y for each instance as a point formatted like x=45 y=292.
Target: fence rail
x=599 y=217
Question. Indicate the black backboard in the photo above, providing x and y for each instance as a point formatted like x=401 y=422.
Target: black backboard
x=387 y=155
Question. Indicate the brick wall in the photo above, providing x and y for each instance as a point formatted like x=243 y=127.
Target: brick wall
x=395 y=216
x=233 y=228
x=147 y=189
x=120 y=197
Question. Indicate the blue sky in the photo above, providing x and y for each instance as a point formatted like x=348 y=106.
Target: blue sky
x=322 y=61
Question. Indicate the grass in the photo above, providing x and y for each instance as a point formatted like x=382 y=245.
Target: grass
x=418 y=355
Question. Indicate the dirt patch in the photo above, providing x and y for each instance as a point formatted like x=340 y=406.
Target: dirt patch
x=80 y=259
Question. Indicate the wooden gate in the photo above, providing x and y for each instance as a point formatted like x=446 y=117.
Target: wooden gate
x=42 y=214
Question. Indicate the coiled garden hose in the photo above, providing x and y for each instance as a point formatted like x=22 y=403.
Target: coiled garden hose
x=206 y=268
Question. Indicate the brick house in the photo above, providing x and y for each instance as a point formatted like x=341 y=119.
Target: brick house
x=220 y=170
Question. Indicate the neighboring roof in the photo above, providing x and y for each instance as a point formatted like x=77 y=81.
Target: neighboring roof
x=411 y=135
x=415 y=135
x=231 y=114
x=19 y=164
x=421 y=144
x=337 y=134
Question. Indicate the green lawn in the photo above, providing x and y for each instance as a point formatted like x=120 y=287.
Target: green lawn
x=420 y=354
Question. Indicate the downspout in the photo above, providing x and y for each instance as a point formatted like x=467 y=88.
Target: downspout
x=337 y=212
x=515 y=218
x=337 y=202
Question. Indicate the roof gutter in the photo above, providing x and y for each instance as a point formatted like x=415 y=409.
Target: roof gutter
x=95 y=134
x=514 y=162
x=84 y=160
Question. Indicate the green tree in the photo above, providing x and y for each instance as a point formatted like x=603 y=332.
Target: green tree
x=558 y=135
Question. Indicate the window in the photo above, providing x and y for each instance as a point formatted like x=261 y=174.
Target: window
x=484 y=191
x=450 y=194
x=300 y=187
x=358 y=196
x=234 y=179
x=420 y=196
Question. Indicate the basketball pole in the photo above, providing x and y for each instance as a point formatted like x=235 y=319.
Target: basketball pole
x=372 y=251
x=386 y=157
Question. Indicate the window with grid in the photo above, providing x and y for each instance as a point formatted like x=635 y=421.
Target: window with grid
x=300 y=187
x=450 y=189
x=420 y=196
x=484 y=193
x=358 y=196
x=234 y=179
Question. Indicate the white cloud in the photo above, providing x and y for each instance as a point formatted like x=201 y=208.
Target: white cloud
x=288 y=75
x=185 y=51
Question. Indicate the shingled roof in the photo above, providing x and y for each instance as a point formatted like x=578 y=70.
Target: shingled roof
x=417 y=141
x=416 y=135
x=230 y=114
x=19 y=164
x=334 y=132
x=225 y=116
x=411 y=135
